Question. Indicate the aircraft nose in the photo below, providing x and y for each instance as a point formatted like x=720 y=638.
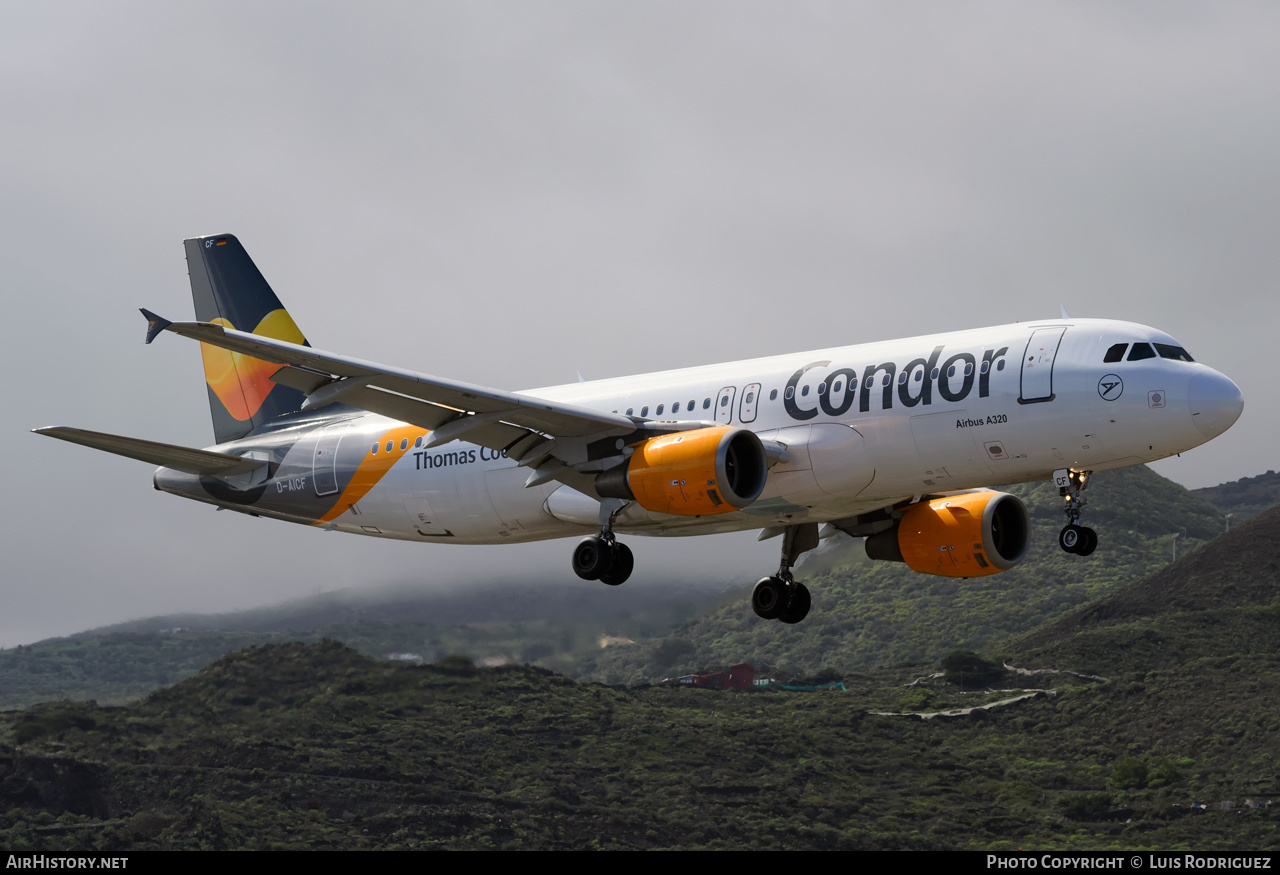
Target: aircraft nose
x=1215 y=402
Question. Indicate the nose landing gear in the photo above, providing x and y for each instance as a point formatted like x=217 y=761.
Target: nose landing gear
x=1075 y=538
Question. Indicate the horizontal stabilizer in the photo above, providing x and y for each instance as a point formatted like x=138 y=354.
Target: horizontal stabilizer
x=167 y=455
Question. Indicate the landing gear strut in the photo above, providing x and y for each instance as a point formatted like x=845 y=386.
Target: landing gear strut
x=780 y=597
x=1075 y=538
x=601 y=557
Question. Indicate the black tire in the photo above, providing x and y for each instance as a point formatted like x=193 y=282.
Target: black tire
x=798 y=608
x=769 y=598
x=592 y=558
x=1088 y=541
x=623 y=562
x=1071 y=538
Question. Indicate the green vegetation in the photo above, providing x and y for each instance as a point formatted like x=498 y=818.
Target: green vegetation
x=316 y=746
x=1096 y=710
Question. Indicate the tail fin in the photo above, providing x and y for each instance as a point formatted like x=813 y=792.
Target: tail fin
x=229 y=290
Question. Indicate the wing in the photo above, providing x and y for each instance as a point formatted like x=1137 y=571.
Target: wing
x=557 y=441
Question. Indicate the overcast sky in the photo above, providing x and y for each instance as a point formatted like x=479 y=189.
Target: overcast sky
x=508 y=192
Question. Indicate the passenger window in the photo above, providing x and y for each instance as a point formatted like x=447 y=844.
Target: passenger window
x=644 y=411
x=658 y=412
x=791 y=393
x=374 y=451
x=1000 y=365
x=404 y=444
x=390 y=444
x=804 y=391
x=418 y=441
x=838 y=386
x=919 y=375
x=951 y=371
x=902 y=379
x=968 y=369
x=751 y=396
x=1176 y=353
x=884 y=381
x=675 y=408
x=1115 y=353
x=773 y=394
x=1141 y=351
x=935 y=373
x=691 y=405
x=724 y=402
x=706 y=402
x=871 y=381
x=822 y=388
x=986 y=366
x=630 y=411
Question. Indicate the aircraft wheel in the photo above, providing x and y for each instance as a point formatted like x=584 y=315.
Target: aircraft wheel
x=769 y=598
x=1088 y=541
x=623 y=562
x=1071 y=538
x=798 y=608
x=592 y=558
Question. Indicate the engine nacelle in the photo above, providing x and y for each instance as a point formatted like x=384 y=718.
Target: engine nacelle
x=691 y=473
x=964 y=535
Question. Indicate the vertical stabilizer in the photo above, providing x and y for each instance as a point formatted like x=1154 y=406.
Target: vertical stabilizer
x=228 y=289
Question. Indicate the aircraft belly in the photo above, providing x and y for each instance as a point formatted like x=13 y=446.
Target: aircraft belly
x=520 y=511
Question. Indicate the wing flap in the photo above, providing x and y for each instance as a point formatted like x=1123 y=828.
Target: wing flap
x=186 y=459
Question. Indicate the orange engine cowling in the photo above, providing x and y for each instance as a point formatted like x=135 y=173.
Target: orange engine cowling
x=691 y=473
x=964 y=535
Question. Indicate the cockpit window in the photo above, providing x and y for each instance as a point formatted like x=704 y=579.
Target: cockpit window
x=1177 y=353
x=1141 y=351
x=1115 y=353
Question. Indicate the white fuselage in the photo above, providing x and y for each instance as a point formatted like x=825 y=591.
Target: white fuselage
x=863 y=427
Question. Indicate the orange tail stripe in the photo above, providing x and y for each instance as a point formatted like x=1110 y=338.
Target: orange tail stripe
x=372 y=469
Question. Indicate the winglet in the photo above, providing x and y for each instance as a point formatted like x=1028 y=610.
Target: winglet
x=155 y=324
x=1063 y=308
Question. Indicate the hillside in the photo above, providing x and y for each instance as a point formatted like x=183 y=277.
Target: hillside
x=1118 y=715
x=316 y=746
x=1244 y=498
x=1227 y=592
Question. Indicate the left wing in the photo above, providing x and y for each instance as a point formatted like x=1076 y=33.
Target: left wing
x=193 y=461
x=558 y=441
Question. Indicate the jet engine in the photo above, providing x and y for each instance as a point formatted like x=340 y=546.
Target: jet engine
x=964 y=535
x=691 y=473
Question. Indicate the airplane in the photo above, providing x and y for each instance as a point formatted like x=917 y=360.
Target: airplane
x=896 y=442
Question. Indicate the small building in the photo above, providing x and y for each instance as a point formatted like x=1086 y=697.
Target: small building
x=736 y=677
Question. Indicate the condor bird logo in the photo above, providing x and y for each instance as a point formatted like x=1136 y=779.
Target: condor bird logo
x=1110 y=387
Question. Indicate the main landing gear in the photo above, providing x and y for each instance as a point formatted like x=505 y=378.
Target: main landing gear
x=1075 y=538
x=780 y=597
x=601 y=557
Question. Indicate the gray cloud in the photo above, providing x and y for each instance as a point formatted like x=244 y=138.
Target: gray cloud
x=508 y=192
